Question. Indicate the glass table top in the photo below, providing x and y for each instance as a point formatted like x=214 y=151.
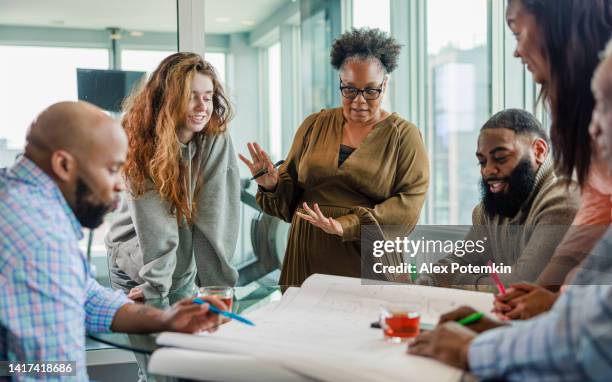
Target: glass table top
x=246 y=299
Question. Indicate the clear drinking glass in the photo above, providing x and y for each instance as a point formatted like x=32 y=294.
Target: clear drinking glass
x=224 y=293
x=399 y=322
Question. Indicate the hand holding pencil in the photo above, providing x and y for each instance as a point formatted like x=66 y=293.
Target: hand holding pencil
x=482 y=324
x=523 y=301
x=263 y=170
x=449 y=342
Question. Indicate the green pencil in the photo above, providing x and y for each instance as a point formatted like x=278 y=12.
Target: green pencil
x=413 y=274
x=472 y=318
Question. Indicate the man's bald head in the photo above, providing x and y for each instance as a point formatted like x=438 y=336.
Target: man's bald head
x=82 y=149
x=71 y=126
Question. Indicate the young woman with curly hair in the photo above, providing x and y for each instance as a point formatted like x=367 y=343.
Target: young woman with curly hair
x=349 y=167
x=176 y=224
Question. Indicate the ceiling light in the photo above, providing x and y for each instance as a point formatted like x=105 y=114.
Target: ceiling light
x=247 y=23
x=222 y=19
x=136 y=34
x=114 y=33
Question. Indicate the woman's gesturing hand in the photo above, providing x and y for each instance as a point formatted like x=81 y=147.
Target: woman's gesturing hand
x=316 y=218
x=260 y=161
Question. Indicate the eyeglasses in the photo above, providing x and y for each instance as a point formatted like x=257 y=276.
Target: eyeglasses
x=369 y=94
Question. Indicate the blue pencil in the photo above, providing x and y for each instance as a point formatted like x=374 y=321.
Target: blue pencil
x=216 y=310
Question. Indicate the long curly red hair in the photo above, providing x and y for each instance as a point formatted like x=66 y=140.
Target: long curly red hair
x=153 y=114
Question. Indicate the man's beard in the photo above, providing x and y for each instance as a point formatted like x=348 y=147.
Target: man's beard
x=520 y=183
x=89 y=214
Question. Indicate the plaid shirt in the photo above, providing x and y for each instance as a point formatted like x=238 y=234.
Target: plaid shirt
x=571 y=342
x=48 y=299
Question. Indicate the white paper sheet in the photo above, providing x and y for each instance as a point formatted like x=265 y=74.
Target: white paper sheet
x=183 y=363
x=322 y=330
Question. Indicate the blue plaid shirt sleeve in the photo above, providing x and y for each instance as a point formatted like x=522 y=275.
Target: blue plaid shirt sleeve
x=571 y=342
x=101 y=305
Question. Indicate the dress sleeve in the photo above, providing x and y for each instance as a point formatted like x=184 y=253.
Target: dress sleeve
x=282 y=201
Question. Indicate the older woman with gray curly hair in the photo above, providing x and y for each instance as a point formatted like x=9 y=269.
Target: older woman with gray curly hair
x=350 y=167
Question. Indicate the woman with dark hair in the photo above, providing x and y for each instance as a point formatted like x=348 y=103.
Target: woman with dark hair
x=182 y=179
x=560 y=42
x=350 y=167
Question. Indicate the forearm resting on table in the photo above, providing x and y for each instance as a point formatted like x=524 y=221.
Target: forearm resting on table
x=138 y=318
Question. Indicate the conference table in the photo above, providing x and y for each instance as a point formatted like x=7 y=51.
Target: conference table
x=247 y=299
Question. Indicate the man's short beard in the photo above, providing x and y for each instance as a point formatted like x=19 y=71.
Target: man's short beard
x=90 y=215
x=520 y=184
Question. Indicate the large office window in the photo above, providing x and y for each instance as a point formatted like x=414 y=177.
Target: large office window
x=42 y=71
x=32 y=78
x=443 y=82
x=29 y=85
x=142 y=60
x=458 y=104
x=149 y=60
x=372 y=14
x=243 y=42
x=217 y=60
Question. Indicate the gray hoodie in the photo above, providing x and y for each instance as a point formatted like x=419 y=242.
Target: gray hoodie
x=147 y=247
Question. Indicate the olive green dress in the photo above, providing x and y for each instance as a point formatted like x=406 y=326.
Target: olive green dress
x=381 y=183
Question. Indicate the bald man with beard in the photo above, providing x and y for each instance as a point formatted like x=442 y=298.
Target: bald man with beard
x=68 y=178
